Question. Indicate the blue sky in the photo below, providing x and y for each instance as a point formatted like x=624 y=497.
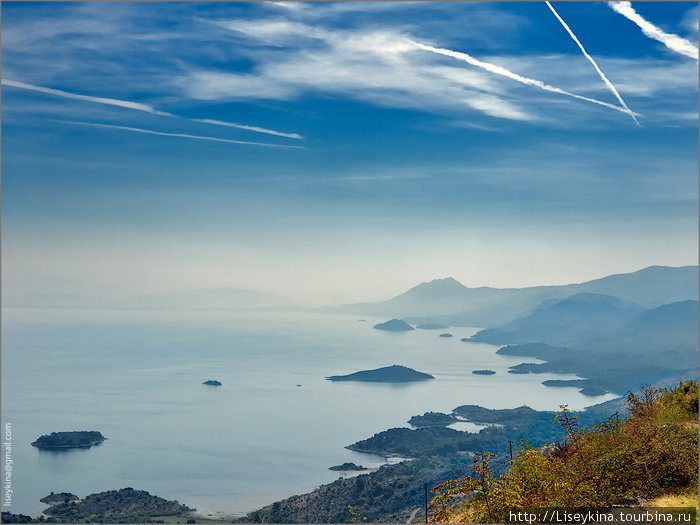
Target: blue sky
x=351 y=156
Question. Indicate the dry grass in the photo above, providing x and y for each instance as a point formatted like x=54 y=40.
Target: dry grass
x=689 y=499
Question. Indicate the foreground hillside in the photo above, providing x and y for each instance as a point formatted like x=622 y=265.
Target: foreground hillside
x=394 y=492
x=650 y=454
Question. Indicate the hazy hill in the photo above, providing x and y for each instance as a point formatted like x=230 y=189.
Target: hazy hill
x=564 y=321
x=394 y=325
x=649 y=287
x=649 y=347
x=449 y=302
x=669 y=325
x=665 y=336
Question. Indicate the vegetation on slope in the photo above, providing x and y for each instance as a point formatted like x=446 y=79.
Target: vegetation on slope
x=650 y=453
x=116 y=506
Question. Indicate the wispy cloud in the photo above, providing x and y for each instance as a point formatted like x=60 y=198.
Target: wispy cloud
x=590 y=59
x=178 y=135
x=99 y=100
x=498 y=70
x=671 y=41
x=143 y=107
x=375 y=65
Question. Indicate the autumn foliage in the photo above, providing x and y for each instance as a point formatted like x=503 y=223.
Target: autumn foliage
x=651 y=452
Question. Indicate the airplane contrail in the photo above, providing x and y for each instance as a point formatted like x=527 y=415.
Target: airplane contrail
x=671 y=41
x=142 y=107
x=179 y=135
x=590 y=59
x=100 y=100
x=498 y=70
x=249 y=128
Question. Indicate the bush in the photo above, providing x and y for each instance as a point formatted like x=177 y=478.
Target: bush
x=652 y=452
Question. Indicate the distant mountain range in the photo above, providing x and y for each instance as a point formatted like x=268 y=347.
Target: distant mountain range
x=564 y=321
x=442 y=301
x=658 y=344
x=449 y=302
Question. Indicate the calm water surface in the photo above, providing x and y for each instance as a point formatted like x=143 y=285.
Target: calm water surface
x=136 y=377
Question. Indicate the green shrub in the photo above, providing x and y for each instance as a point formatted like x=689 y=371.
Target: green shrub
x=652 y=452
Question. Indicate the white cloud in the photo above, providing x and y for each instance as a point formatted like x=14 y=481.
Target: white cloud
x=278 y=32
x=376 y=65
x=496 y=107
x=671 y=41
x=381 y=66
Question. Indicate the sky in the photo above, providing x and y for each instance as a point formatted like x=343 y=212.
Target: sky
x=344 y=151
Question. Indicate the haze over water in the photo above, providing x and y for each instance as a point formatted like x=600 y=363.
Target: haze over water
x=136 y=377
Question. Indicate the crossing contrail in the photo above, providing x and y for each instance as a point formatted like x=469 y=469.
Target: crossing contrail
x=498 y=70
x=590 y=59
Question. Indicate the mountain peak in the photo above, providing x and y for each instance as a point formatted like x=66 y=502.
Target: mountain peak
x=441 y=285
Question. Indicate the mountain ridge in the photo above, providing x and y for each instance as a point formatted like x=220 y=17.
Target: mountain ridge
x=488 y=306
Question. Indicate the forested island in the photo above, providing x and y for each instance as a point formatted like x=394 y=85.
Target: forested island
x=64 y=440
x=347 y=467
x=387 y=374
x=125 y=505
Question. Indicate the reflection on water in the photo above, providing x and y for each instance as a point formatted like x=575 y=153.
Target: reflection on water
x=466 y=426
x=66 y=450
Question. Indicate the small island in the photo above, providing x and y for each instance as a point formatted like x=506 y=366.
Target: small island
x=483 y=372
x=387 y=374
x=395 y=325
x=445 y=335
x=346 y=467
x=212 y=382
x=64 y=440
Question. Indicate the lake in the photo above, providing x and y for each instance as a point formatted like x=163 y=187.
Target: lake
x=136 y=376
